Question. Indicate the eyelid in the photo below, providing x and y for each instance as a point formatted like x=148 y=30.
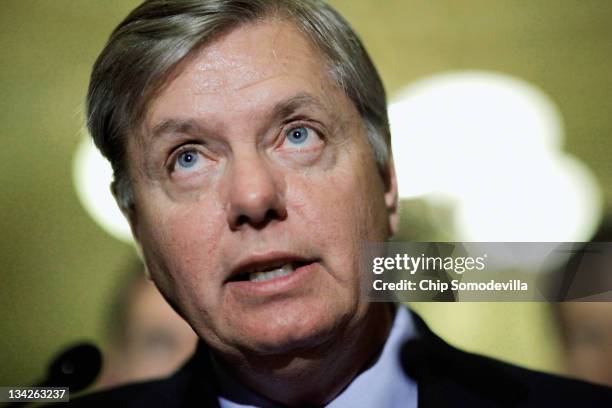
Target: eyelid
x=301 y=120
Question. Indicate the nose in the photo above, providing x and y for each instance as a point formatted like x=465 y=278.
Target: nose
x=255 y=195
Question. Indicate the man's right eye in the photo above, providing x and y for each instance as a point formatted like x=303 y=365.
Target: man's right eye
x=187 y=160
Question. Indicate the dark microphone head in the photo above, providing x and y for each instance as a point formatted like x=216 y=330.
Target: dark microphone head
x=76 y=368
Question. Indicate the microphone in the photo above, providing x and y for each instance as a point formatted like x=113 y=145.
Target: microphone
x=76 y=368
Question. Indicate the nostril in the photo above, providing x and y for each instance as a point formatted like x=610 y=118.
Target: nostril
x=271 y=214
x=258 y=222
x=241 y=220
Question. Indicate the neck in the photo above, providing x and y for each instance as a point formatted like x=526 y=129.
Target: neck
x=316 y=376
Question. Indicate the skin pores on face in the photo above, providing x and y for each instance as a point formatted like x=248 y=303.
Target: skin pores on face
x=248 y=155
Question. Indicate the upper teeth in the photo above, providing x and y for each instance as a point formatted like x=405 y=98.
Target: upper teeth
x=271 y=274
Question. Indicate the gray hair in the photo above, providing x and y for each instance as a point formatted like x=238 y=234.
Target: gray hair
x=157 y=35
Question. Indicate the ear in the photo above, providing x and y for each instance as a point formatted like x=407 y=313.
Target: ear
x=127 y=209
x=146 y=268
x=129 y=212
x=391 y=194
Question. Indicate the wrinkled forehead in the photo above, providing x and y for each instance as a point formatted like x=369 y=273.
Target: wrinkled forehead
x=257 y=61
x=253 y=52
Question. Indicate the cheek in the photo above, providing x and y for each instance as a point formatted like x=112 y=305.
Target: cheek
x=181 y=244
x=346 y=199
x=341 y=208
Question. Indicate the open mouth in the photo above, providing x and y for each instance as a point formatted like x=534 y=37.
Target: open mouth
x=267 y=271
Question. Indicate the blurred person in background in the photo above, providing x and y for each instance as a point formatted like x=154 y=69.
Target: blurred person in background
x=586 y=332
x=147 y=339
x=586 y=327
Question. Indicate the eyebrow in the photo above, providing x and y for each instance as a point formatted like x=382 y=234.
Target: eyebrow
x=282 y=109
x=170 y=126
x=289 y=106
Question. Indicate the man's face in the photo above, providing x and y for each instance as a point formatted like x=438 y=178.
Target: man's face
x=251 y=159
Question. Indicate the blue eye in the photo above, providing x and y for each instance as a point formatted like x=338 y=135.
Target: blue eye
x=187 y=159
x=297 y=135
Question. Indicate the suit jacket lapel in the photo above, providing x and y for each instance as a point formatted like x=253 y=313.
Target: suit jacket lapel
x=446 y=375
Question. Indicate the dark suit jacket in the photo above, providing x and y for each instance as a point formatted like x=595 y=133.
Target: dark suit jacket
x=446 y=377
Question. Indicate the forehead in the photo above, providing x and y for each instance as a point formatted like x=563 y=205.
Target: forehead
x=252 y=65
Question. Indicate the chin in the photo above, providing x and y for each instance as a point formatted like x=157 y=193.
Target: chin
x=289 y=329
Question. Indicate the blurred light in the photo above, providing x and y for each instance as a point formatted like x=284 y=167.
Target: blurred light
x=492 y=144
x=92 y=175
x=553 y=202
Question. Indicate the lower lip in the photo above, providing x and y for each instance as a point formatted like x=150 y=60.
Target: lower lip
x=276 y=285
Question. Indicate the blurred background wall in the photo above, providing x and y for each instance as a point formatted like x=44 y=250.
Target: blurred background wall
x=59 y=269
